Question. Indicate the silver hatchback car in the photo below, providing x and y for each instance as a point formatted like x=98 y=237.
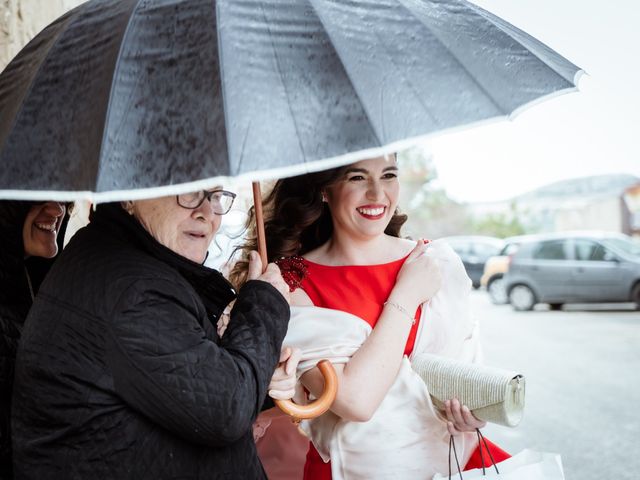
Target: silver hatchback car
x=576 y=267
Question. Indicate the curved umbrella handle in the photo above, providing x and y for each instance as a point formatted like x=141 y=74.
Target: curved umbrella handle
x=321 y=404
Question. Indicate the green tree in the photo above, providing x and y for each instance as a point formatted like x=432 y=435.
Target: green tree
x=432 y=214
x=501 y=225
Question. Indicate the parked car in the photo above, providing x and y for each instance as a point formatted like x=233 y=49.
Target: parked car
x=474 y=250
x=495 y=267
x=579 y=267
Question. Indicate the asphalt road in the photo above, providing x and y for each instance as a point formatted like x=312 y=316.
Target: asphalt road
x=582 y=368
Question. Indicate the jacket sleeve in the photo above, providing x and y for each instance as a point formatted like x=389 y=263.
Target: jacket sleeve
x=165 y=367
x=9 y=337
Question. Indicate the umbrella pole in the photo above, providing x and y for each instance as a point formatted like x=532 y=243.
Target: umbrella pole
x=262 y=242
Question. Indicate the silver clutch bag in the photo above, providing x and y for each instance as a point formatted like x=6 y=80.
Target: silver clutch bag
x=492 y=394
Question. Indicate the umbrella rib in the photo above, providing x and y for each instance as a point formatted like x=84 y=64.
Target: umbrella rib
x=409 y=83
x=453 y=54
x=502 y=25
x=116 y=70
x=390 y=56
x=355 y=89
x=244 y=144
x=44 y=60
x=284 y=84
x=223 y=89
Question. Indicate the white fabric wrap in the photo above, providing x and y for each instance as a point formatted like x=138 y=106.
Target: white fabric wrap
x=405 y=438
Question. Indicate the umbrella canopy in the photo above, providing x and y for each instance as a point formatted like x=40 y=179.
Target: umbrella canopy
x=125 y=99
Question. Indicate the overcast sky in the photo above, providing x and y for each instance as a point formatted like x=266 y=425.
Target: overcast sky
x=594 y=131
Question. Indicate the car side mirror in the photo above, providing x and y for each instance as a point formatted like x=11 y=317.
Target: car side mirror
x=610 y=257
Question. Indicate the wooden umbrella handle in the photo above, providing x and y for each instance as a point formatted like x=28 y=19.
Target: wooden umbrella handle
x=262 y=242
x=321 y=404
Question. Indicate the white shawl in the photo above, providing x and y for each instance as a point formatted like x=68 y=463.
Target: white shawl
x=405 y=438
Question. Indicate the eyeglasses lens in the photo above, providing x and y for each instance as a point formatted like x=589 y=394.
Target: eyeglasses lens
x=220 y=200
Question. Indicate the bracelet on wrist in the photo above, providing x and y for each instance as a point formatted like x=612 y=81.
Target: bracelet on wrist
x=402 y=310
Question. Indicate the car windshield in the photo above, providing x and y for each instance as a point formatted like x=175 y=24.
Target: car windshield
x=623 y=245
x=510 y=248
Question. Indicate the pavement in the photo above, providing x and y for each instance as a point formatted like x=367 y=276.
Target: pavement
x=582 y=369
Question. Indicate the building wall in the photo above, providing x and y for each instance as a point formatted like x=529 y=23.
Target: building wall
x=600 y=214
x=632 y=203
x=21 y=20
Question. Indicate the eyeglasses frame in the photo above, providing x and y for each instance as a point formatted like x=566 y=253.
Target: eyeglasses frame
x=207 y=196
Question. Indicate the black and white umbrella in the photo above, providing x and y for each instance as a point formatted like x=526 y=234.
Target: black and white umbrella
x=126 y=99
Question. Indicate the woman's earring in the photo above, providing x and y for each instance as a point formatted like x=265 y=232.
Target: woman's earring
x=324 y=197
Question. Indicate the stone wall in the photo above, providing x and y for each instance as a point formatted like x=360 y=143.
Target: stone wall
x=21 y=20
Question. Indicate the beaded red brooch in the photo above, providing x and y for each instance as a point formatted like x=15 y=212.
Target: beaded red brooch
x=294 y=271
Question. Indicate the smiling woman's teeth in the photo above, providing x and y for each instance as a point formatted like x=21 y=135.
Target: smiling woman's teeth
x=48 y=227
x=372 y=212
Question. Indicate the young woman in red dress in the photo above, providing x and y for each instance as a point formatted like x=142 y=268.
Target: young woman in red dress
x=335 y=235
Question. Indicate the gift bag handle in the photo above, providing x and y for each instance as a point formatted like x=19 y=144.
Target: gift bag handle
x=452 y=444
x=481 y=441
x=484 y=442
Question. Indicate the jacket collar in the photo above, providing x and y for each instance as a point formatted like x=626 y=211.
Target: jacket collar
x=214 y=290
x=13 y=282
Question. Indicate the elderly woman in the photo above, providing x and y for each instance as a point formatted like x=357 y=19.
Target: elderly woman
x=28 y=234
x=121 y=373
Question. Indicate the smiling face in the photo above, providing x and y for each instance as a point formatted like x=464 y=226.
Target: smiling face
x=187 y=232
x=364 y=200
x=40 y=230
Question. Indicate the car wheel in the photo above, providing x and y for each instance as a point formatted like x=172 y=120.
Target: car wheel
x=522 y=298
x=497 y=292
x=635 y=295
x=555 y=306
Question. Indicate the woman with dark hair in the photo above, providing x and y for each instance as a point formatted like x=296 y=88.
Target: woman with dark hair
x=28 y=240
x=336 y=237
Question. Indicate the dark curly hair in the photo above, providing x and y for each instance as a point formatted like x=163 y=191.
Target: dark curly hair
x=296 y=220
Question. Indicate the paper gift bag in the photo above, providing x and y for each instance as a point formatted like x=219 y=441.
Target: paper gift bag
x=526 y=465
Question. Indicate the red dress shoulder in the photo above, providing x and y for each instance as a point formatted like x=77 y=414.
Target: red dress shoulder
x=360 y=290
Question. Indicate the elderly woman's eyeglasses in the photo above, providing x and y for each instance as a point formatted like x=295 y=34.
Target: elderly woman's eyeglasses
x=220 y=200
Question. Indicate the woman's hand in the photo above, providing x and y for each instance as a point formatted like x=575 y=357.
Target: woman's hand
x=271 y=275
x=419 y=279
x=223 y=322
x=283 y=381
x=460 y=419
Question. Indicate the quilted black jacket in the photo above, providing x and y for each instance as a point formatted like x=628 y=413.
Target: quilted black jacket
x=15 y=300
x=16 y=273
x=120 y=373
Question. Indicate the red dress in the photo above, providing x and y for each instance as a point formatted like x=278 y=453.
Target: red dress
x=360 y=290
